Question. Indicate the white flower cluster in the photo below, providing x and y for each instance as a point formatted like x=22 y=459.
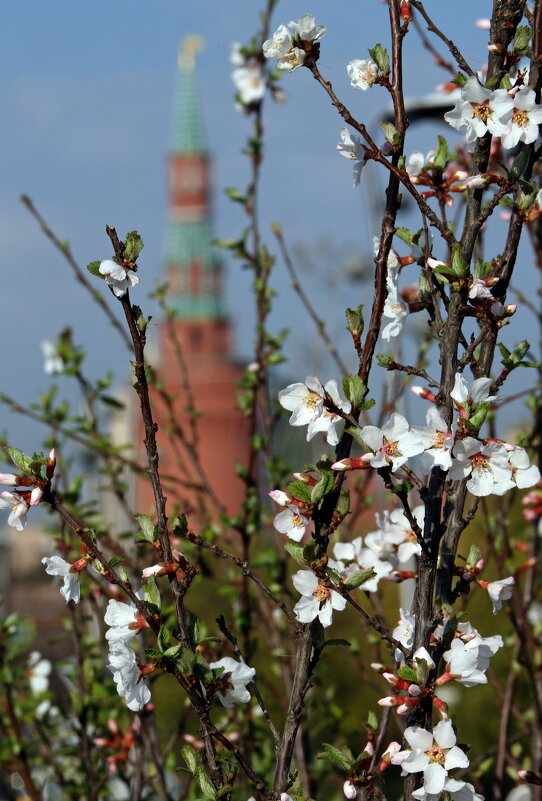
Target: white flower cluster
x=125 y=621
x=286 y=41
x=306 y=402
x=247 y=76
x=513 y=116
x=384 y=550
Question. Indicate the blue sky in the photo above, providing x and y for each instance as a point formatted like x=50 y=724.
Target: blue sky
x=87 y=92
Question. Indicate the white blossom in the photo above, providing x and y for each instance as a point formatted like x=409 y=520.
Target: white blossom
x=475 y=395
x=17 y=516
x=38 y=670
x=523 y=473
x=394 y=537
x=124 y=619
x=307 y=29
x=438 y=442
x=53 y=363
x=395 y=309
x=351 y=148
x=328 y=421
x=305 y=401
x=522 y=120
x=292 y=523
x=487 y=465
x=119 y=278
x=500 y=591
x=317 y=600
x=127 y=676
x=56 y=566
x=404 y=632
x=478 y=111
x=393 y=443
x=362 y=73
x=250 y=82
x=433 y=753
x=233 y=681
x=360 y=558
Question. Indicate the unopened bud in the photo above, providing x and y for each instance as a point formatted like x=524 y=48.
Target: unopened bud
x=50 y=464
x=424 y=393
x=349 y=789
x=36 y=496
x=405 y=10
x=280 y=497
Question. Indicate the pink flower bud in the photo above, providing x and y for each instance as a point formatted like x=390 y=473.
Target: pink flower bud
x=50 y=464
x=9 y=479
x=36 y=496
x=483 y=24
x=349 y=789
x=280 y=497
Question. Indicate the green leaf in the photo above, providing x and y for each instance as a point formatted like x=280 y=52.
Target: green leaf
x=442 y=155
x=355 y=390
x=522 y=39
x=359 y=578
x=152 y=653
x=322 y=487
x=475 y=554
x=309 y=552
x=300 y=490
x=20 y=459
x=152 y=593
x=190 y=758
x=341 y=759
x=164 y=638
x=393 y=136
x=296 y=551
x=173 y=652
x=227 y=788
x=372 y=721
x=133 y=246
x=458 y=265
x=408 y=674
x=460 y=79
x=207 y=787
x=235 y=194
x=94 y=268
x=148 y=529
x=477 y=419
x=449 y=630
x=520 y=163
x=406 y=235
x=354 y=321
x=335 y=641
x=381 y=58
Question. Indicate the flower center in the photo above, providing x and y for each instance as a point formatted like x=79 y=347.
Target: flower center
x=223 y=683
x=296 y=520
x=322 y=593
x=520 y=118
x=390 y=449
x=482 y=111
x=436 y=754
x=398 y=309
x=479 y=462
x=311 y=400
x=438 y=439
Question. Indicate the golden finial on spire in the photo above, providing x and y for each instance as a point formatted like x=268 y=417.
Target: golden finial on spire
x=190 y=45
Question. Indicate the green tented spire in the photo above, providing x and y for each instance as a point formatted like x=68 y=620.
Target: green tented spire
x=188 y=128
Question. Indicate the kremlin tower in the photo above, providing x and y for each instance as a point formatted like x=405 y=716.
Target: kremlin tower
x=195 y=365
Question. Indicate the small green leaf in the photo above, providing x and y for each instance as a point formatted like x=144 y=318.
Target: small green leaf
x=341 y=759
x=372 y=721
x=207 y=787
x=335 y=641
x=152 y=593
x=442 y=155
x=296 y=551
x=381 y=58
x=522 y=39
x=520 y=163
x=132 y=246
x=190 y=758
x=148 y=529
x=354 y=321
x=94 y=268
x=20 y=459
x=300 y=490
x=235 y=194
x=458 y=265
x=408 y=674
x=459 y=80
x=406 y=235
x=359 y=578
x=355 y=390
x=475 y=554
x=393 y=136
x=322 y=487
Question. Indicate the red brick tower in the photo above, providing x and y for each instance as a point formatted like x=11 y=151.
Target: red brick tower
x=200 y=324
